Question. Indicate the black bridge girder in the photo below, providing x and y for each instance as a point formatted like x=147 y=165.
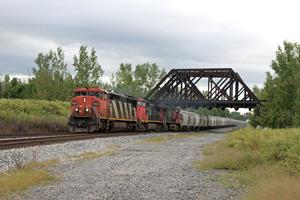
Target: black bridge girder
x=224 y=88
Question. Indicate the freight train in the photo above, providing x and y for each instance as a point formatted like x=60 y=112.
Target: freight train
x=97 y=110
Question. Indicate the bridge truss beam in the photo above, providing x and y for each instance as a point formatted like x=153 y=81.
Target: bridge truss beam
x=209 y=87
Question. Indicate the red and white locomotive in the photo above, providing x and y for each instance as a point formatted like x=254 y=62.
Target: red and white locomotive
x=97 y=110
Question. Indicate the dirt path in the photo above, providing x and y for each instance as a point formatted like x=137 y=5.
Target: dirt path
x=139 y=171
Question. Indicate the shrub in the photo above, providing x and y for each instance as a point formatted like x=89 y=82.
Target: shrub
x=266 y=161
x=18 y=115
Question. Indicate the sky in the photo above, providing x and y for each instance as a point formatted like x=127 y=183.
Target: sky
x=242 y=35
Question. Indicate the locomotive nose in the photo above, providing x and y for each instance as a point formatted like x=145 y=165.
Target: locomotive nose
x=83 y=106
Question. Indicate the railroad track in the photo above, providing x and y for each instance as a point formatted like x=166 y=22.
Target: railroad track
x=10 y=141
x=45 y=140
x=19 y=135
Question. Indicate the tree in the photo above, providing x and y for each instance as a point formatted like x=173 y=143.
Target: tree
x=88 y=70
x=147 y=76
x=297 y=101
x=6 y=86
x=220 y=113
x=281 y=90
x=255 y=118
x=137 y=82
x=51 y=79
x=60 y=75
x=15 y=88
x=123 y=80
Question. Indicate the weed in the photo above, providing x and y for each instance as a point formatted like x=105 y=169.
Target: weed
x=18 y=180
x=267 y=162
x=91 y=155
x=163 y=139
x=32 y=115
x=159 y=139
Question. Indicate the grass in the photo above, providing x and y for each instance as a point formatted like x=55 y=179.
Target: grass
x=266 y=162
x=159 y=139
x=165 y=138
x=281 y=186
x=23 y=115
x=43 y=165
x=91 y=155
x=18 y=180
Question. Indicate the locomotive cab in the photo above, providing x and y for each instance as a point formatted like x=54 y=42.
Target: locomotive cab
x=88 y=101
x=141 y=110
x=88 y=106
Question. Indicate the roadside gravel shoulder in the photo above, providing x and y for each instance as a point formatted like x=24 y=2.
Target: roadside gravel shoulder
x=139 y=171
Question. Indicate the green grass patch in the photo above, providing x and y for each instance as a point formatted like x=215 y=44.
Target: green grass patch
x=24 y=115
x=165 y=138
x=267 y=162
x=18 y=180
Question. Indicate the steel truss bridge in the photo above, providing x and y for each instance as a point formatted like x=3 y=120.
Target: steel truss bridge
x=203 y=87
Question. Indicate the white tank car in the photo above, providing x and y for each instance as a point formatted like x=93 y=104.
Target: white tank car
x=188 y=120
x=193 y=121
x=197 y=122
x=204 y=121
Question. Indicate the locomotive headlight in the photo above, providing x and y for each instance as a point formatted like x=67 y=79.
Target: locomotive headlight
x=87 y=109
x=76 y=109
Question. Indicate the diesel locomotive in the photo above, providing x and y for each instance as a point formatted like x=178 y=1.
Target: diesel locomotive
x=97 y=110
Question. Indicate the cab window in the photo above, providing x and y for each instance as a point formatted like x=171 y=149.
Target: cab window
x=99 y=95
x=91 y=94
x=80 y=93
x=139 y=103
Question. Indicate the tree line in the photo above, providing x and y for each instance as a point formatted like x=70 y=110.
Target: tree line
x=53 y=81
x=281 y=91
x=221 y=113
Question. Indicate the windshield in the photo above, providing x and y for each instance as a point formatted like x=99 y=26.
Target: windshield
x=80 y=93
x=84 y=93
x=139 y=103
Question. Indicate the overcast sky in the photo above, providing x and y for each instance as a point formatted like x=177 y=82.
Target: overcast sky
x=174 y=34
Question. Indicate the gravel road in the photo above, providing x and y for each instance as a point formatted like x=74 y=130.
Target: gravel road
x=139 y=171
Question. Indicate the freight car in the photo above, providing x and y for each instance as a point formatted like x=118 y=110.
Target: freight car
x=97 y=110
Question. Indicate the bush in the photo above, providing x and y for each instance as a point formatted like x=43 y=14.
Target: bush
x=266 y=161
x=18 y=115
x=281 y=146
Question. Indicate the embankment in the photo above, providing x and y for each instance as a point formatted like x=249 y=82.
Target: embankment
x=19 y=116
x=265 y=162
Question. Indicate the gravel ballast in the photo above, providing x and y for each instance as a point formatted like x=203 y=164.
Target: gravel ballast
x=135 y=171
x=63 y=150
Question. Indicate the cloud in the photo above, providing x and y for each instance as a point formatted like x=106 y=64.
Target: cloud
x=171 y=33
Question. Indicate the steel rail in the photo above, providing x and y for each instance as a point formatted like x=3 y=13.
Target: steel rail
x=20 y=135
x=35 y=141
